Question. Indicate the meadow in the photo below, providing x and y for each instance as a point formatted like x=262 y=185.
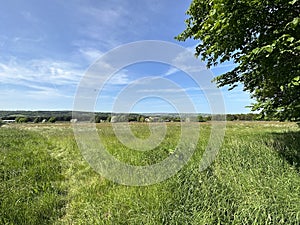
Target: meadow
x=253 y=180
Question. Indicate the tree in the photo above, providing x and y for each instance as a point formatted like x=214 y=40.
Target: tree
x=262 y=38
x=141 y=119
x=52 y=119
x=201 y=118
x=22 y=119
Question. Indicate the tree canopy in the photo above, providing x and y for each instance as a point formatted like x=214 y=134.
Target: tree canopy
x=262 y=38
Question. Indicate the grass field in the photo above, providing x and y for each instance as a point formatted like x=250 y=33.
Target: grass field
x=254 y=179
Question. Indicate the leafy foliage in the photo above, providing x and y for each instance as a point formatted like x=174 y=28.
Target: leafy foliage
x=22 y=119
x=262 y=37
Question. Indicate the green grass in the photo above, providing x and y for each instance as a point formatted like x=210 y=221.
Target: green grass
x=30 y=180
x=254 y=179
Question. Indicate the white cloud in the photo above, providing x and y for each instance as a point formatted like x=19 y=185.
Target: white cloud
x=40 y=71
x=171 y=71
x=161 y=90
x=38 y=84
x=186 y=62
x=90 y=54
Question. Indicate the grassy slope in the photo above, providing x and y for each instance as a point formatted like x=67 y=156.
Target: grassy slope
x=254 y=180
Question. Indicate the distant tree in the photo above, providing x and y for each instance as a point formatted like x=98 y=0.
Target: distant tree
x=66 y=118
x=22 y=119
x=201 y=118
x=208 y=118
x=230 y=117
x=262 y=37
x=52 y=119
x=97 y=119
x=176 y=119
x=141 y=119
x=132 y=118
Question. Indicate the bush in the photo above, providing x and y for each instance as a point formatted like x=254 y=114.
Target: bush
x=52 y=119
x=22 y=119
x=201 y=119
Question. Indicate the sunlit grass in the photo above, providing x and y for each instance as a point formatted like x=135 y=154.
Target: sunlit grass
x=254 y=179
x=30 y=180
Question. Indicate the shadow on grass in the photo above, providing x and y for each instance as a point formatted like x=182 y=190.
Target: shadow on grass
x=288 y=146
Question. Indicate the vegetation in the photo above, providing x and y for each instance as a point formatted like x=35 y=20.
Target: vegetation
x=52 y=119
x=254 y=179
x=98 y=117
x=30 y=179
x=262 y=38
x=22 y=119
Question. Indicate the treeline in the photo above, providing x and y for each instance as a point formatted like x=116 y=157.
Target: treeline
x=247 y=117
x=36 y=116
x=31 y=115
x=99 y=117
x=231 y=117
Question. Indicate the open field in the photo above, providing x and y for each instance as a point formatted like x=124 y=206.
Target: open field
x=254 y=179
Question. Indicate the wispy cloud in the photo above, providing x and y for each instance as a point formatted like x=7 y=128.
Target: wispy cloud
x=161 y=90
x=120 y=78
x=27 y=39
x=90 y=54
x=38 y=84
x=40 y=71
x=169 y=90
x=171 y=71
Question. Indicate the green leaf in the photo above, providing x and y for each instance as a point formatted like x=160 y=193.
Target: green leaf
x=293 y=2
x=281 y=88
x=290 y=39
x=256 y=50
x=296 y=81
x=268 y=48
x=295 y=22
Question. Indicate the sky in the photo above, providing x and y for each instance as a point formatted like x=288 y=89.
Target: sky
x=47 y=47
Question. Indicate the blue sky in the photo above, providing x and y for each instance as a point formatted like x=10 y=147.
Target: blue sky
x=46 y=47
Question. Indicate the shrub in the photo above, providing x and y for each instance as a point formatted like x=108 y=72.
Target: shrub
x=22 y=119
x=52 y=119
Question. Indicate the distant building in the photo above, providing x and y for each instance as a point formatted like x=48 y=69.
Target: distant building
x=73 y=120
x=8 y=121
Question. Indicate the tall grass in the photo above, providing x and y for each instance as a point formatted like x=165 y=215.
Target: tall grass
x=254 y=179
x=30 y=189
